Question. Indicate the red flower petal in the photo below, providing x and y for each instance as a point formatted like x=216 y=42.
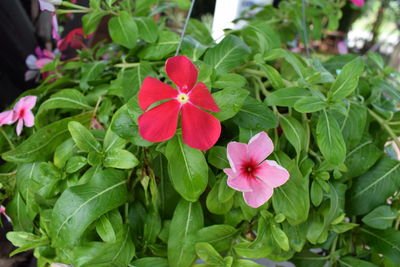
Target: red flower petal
x=200 y=129
x=182 y=72
x=201 y=97
x=159 y=123
x=153 y=90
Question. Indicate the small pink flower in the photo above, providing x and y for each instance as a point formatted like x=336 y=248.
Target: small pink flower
x=36 y=63
x=3 y=211
x=342 y=48
x=358 y=2
x=54 y=26
x=250 y=173
x=22 y=112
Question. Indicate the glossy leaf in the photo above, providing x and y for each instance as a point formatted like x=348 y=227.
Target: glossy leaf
x=123 y=30
x=229 y=100
x=381 y=217
x=120 y=159
x=294 y=132
x=286 y=97
x=83 y=138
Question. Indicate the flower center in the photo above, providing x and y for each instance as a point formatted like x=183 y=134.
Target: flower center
x=249 y=169
x=183 y=98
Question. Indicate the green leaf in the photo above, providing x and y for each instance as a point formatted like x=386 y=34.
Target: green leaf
x=186 y=221
x=193 y=48
x=229 y=80
x=25 y=241
x=120 y=159
x=150 y=262
x=220 y=236
x=123 y=30
x=105 y=229
x=362 y=157
x=217 y=157
x=214 y=205
x=280 y=237
x=316 y=193
x=292 y=199
x=152 y=226
x=245 y=263
x=228 y=54
x=373 y=187
x=83 y=138
x=349 y=261
x=229 y=100
x=80 y=205
x=187 y=168
x=381 y=217
x=148 y=30
x=294 y=132
x=255 y=115
x=347 y=80
x=27 y=187
x=330 y=139
x=40 y=145
x=385 y=242
x=273 y=76
x=67 y=98
x=90 y=72
x=18 y=212
x=112 y=141
x=99 y=254
x=225 y=193
x=352 y=124
x=286 y=97
x=208 y=254
x=309 y=104
x=75 y=163
x=91 y=20
x=63 y=152
x=165 y=46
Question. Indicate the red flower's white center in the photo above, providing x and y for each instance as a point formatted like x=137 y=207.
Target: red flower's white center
x=183 y=98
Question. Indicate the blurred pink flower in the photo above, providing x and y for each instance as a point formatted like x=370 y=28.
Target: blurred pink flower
x=358 y=2
x=250 y=173
x=6 y=117
x=3 y=211
x=342 y=48
x=49 y=4
x=23 y=114
x=54 y=25
x=36 y=63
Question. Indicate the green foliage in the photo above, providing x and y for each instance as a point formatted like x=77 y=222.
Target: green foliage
x=84 y=188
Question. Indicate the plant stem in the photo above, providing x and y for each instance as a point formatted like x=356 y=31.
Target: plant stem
x=255 y=72
x=184 y=27
x=396 y=225
x=384 y=124
x=66 y=11
x=69 y=4
x=303 y=18
x=125 y=65
x=6 y=137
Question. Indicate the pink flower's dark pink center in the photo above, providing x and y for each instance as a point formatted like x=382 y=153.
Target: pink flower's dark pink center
x=21 y=113
x=249 y=169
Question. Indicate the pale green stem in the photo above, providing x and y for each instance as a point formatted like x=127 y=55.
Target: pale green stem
x=384 y=124
x=72 y=5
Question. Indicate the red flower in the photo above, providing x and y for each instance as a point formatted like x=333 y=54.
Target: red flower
x=200 y=129
x=74 y=39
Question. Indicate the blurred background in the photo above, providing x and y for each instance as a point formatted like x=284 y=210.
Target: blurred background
x=373 y=27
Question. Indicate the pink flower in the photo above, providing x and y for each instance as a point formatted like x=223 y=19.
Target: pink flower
x=200 y=129
x=49 y=4
x=74 y=39
x=54 y=25
x=342 y=48
x=3 y=211
x=358 y=2
x=23 y=114
x=250 y=173
x=36 y=63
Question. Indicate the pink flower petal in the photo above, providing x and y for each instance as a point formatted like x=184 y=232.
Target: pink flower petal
x=28 y=102
x=240 y=183
x=237 y=155
x=271 y=173
x=40 y=63
x=30 y=62
x=6 y=117
x=260 y=146
x=20 y=124
x=201 y=97
x=230 y=173
x=200 y=129
x=44 y=5
x=152 y=90
x=261 y=193
x=182 y=72
x=159 y=123
x=358 y=2
x=29 y=119
x=54 y=24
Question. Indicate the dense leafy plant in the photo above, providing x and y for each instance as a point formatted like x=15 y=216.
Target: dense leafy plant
x=86 y=189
